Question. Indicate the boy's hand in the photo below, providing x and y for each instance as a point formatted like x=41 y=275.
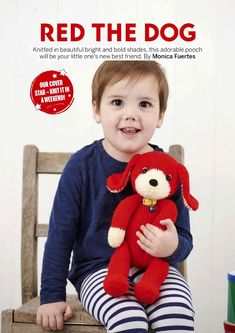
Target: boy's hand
x=157 y=242
x=51 y=316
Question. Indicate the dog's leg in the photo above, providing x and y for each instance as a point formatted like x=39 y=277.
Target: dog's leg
x=148 y=288
x=116 y=282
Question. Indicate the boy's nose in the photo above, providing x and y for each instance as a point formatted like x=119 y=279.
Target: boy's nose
x=130 y=117
x=130 y=114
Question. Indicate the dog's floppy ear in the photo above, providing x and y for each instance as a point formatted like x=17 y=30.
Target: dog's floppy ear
x=117 y=182
x=189 y=200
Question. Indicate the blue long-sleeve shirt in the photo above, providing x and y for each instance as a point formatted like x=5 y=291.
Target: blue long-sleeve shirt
x=80 y=219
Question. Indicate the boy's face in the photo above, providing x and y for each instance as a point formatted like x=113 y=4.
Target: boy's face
x=129 y=114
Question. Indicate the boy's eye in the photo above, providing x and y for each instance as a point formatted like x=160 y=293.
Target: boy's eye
x=145 y=104
x=117 y=102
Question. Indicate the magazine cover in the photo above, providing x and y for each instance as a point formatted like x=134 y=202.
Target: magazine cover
x=50 y=52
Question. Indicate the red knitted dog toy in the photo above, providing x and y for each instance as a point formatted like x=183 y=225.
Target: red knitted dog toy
x=155 y=176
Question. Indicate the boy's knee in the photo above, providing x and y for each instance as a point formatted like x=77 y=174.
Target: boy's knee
x=177 y=315
x=128 y=320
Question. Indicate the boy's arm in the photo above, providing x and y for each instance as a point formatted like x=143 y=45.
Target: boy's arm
x=61 y=236
x=182 y=224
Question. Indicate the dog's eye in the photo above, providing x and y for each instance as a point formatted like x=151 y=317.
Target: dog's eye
x=168 y=177
x=144 y=170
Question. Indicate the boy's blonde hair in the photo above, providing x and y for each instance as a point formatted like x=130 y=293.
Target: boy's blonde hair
x=110 y=72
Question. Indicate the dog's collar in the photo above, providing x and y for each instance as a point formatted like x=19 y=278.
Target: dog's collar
x=150 y=202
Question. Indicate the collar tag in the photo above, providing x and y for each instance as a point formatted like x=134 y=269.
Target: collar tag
x=151 y=203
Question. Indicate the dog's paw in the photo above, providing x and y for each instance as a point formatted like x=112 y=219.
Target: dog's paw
x=146 y=292
x=116 y=285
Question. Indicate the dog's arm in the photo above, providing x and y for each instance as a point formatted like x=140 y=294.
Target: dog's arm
x=121 y=218
x=168 y=210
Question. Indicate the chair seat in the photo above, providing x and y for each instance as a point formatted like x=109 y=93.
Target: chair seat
x=27 y=312
x=24 y=318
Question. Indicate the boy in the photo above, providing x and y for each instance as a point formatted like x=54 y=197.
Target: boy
x=129 y=100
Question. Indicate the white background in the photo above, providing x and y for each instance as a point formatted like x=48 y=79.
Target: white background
x=200 y=116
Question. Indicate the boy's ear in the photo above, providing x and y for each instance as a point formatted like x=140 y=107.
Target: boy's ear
x=160 y=119
x=96 y=112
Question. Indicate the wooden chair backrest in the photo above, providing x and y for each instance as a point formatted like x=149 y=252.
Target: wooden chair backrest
x=35 y=163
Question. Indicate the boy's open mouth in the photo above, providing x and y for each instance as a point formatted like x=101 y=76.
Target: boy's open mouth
x=129 y=130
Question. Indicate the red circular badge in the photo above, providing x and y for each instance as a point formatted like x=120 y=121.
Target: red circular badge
x=52 y=92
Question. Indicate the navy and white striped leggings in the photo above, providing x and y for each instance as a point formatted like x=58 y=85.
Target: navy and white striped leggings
x=172 y=312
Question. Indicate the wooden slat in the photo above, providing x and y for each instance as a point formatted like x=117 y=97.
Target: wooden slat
x=6 y=321
x=177 y=151
x=183 y=269
x=41 y=230
x=52 y=163
x=31 y=328
x=29 y=221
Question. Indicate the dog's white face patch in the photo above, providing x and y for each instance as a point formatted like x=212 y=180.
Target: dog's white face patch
x=152 y=184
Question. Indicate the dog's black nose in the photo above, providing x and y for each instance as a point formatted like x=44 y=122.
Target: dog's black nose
x=153 y=182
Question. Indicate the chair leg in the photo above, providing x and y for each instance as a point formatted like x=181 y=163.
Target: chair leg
x=6 y=321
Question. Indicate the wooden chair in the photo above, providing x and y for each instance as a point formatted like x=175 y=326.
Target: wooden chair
x=23 y=319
